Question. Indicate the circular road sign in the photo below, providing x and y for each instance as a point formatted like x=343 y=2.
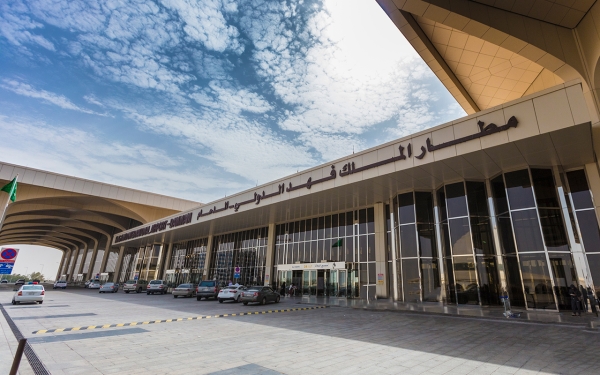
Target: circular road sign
x=9 y=254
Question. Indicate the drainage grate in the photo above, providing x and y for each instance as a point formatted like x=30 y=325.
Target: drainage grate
x=35 y=363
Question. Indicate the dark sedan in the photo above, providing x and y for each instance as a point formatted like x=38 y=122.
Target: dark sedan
x=261 y=294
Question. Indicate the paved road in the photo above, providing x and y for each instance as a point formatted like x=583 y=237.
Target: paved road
x=318 y=341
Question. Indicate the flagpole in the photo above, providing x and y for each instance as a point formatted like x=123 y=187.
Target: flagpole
x=6 y=206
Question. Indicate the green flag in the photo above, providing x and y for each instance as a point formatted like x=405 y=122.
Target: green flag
x=11 y=189
x=338 y=243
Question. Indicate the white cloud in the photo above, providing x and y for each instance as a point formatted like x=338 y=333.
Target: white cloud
x=24 y=89
x=19 y=30
x=219 y=96
x=83 y=154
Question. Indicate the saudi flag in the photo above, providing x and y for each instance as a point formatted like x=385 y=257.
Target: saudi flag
x=338 y=243
x=11 y=189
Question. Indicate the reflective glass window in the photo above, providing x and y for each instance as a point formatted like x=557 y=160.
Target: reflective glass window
x=427 y=240
x=513 y=278
x=594 y=263
x=488 y=280
x=460 y=236
x=456 y=200
x=370 y=220
x=579 y=189
x=536 y=281
x=442 y=204
x=477 y=198
x=482 y=236
x=555 y=235
x=588 y=225
x=362 y=221
x=527 y=231
x=430 y=280
x=372 y=272
x=406 y=209
x=564 y=275
x=499 y=193
x=411 y=280
x=545 y=188
x=466 y=280
x=518 y=186
x=445 y=240
x=506 y=235
x=449 y=276
x=408 y=241
x=362 y=248
x=424 y=207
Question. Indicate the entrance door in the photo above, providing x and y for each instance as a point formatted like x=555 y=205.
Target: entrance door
x=343 y=282
x=321 y=279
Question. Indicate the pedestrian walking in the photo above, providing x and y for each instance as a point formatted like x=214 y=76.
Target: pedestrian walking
x=575 y=300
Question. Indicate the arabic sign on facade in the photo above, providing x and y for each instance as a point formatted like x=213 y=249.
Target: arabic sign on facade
x=312 y=266
x=347 y=169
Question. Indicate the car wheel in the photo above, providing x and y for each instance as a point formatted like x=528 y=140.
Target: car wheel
x=127 y=291
x=64 y=287
x=198 y=298
x=245 y=303
x=41 y=302
x=264 y=301
x=237 y=299
x=147 y=293
x=174 y=296
x=139 y=290
x=220 y=300
x=14 y=302
x=277 y=299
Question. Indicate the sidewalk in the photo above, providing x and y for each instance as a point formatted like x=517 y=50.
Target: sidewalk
x=587 y=320
x=8 y=347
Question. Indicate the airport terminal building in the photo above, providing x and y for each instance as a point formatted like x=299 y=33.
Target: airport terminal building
x=504 y=200
x=498 y=201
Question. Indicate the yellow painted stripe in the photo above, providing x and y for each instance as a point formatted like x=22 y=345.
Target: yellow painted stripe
x=106 y=326
x=145 y=322
x=59 y=330
x=120 y=324
x=41 y=331
x=75 y=328
x=91 y=327
x=132 y=324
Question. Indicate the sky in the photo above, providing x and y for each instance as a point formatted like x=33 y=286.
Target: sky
x=202 y=99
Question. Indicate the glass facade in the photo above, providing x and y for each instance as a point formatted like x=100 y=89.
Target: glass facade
x=148 y=262
x=344 y=237
x=245 y=251
x=186 y=264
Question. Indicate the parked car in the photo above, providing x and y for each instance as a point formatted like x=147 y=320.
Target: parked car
x=29 y=293
x=231 y=293
x=19 y=282
x=109 y=288
x=94 y=284
x=207 y=289
x=156 y=286
x=62 y=284
x=4 y=281
x=261 y=294
x=135 y=286
x=185 y=290
x=87 y=283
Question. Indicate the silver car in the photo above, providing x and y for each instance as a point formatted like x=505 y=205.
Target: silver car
x=185 y=290
x=231 y=293
x=29 y=293
x=137 y=286
x=156 y=286
x=94 y=285
x=109 y=288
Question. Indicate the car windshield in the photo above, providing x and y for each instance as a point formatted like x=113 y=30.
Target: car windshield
x=184 y=286
x=255 y=289
x=156 y=282
x=207 y=283
x=61 y=281
x=130 y=282
x=109 y=284
x=33 y=287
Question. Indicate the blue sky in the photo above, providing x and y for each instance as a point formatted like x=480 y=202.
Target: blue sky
x=201 y=99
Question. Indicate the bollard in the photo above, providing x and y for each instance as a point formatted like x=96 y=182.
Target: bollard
x=18 y=355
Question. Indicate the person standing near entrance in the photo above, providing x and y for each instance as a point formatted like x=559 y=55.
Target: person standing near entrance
x=283 y=289
x=575 y=303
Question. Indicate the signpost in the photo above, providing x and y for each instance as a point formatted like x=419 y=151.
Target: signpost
x=236 y=273
x=8 y=256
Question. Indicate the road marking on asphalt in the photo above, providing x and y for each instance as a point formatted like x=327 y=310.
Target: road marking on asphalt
x=87 y=328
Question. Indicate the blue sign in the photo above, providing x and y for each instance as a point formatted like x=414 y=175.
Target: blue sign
x=6 y=268
x=236 y=275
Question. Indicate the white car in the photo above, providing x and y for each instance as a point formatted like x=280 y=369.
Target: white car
x=62 y=284
x=231 y=293
x=94 y=285
x=29 y=293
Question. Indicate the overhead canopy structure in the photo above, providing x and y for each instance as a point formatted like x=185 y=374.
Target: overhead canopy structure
x=75 y=215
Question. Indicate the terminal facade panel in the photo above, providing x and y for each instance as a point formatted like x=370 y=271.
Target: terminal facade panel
x=500 y=202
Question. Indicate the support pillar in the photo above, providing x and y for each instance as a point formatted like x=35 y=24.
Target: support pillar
x=269 y=279
x=167 y=261
x=496 y=237
x=93 y=261
x=118 y=265
x=65 y=269
x=209 y=245
x=83 y=259
x=106 y=254
x=440 y=253
x=60 y=267
x=381 y=263
x=74 y=262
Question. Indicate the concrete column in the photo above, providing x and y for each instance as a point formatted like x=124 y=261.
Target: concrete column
x=90 y=274
x=118 y=266
x=395 y=290
x=496 y=237
x=65 y=269
x=166 y=263
x=60 y=267
x=209 y=245
x=269 y=279
x=380 y=249
x=440 y=253
x=74 y=262
x=106 y=254
x=83 y=258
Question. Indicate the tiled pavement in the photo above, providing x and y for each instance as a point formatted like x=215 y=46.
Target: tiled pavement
x=321 y=341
